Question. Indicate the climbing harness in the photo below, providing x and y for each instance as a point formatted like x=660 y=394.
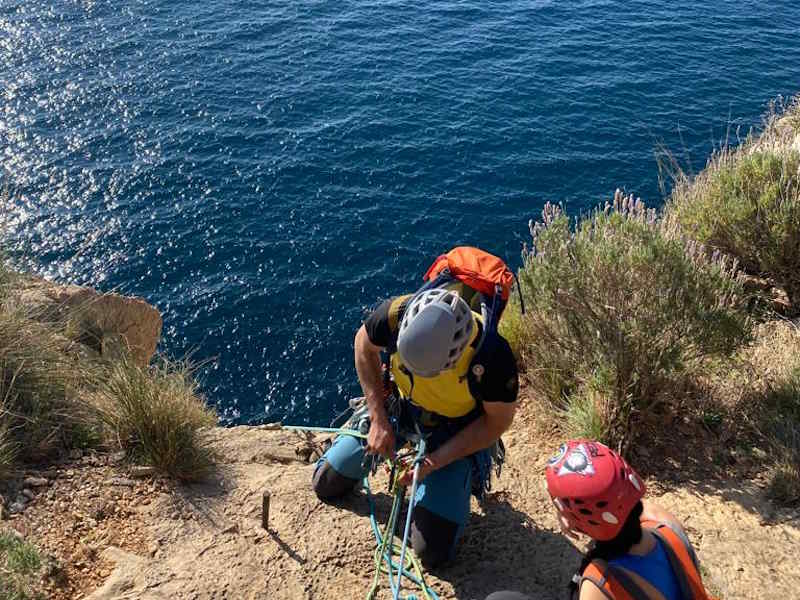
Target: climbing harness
x=408 y=565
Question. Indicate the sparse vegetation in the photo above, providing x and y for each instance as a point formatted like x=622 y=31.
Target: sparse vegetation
x=632 y=313
x=746 y=202
x=779 y=422
x=157 y=414
x=19 y=561
x=755 y=400
x=40 y=379
x=56 y=393
x=616 y=310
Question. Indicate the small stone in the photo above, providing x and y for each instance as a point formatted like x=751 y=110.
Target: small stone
x=75 y=453
x=117 y=457
x=234 y=528
x=121 y=482
x=175 y=515
x=35 y=482
x=303 y=451
x=21 y=499
x=16 y=508
x=141 y=471
x=92 y=460
x=28 y=494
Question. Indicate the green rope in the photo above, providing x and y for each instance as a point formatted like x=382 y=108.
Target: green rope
x=386 y=546
x=335 y=430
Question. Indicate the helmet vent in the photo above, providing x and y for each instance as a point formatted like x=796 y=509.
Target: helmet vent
x=434 y=332
x=609 y=518
x=585 y=511
x=601 y=504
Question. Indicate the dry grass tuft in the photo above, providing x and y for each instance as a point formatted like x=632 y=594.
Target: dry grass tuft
x=56 y=393
x=157 y=415
x=757 y=400
x=40 y=382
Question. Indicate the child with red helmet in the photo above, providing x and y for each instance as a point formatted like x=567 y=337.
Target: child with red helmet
x=639 y=550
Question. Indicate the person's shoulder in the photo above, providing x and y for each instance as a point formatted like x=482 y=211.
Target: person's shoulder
x=503 y=354
x=500 y=380
x=590 y=591
x=383 y=320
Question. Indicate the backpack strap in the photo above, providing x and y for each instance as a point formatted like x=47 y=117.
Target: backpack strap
x=680 y=560
x=615 y=583
x=626 y=582
x=595 y=572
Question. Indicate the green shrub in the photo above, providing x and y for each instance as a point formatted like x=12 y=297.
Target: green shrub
x=19 y=556
x=746 y=203
x=616 y=308
x=511 y=325
x=156 y=414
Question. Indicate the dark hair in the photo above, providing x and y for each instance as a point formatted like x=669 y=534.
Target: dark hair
x=630 y=534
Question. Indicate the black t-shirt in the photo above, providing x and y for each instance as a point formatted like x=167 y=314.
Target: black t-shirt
x=500 y=381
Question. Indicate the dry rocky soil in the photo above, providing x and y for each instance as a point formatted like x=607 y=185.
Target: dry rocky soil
x=110 y=531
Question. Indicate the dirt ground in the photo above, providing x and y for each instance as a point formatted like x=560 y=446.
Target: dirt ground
x=206 y=541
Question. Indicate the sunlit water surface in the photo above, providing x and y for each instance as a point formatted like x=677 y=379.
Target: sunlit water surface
x=263 y=172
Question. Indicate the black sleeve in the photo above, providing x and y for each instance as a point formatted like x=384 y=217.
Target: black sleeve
x=383 y=323
x=500 y=382
x=377 y=325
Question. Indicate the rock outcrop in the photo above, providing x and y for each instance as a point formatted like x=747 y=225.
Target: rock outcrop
x=107 y=323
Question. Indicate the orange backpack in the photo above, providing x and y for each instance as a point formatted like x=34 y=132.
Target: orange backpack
x=484 y=281
x=616 y=584
x=481 y=271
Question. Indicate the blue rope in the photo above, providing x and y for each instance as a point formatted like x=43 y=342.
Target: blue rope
x=399 y=494
x=386 y=557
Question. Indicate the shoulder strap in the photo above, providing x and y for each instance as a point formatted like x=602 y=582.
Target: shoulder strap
x=395 y=307
x=680 y=560
x=595 y=572
x=626 y=582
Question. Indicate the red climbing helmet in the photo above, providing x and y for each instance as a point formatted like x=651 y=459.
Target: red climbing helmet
x=593 y=488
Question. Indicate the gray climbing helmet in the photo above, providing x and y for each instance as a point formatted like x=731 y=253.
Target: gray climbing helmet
x=436 y=328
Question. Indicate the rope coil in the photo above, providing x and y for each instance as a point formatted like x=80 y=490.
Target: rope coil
x=408 y=565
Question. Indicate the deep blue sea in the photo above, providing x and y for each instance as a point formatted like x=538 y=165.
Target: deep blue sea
x=264 y=171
